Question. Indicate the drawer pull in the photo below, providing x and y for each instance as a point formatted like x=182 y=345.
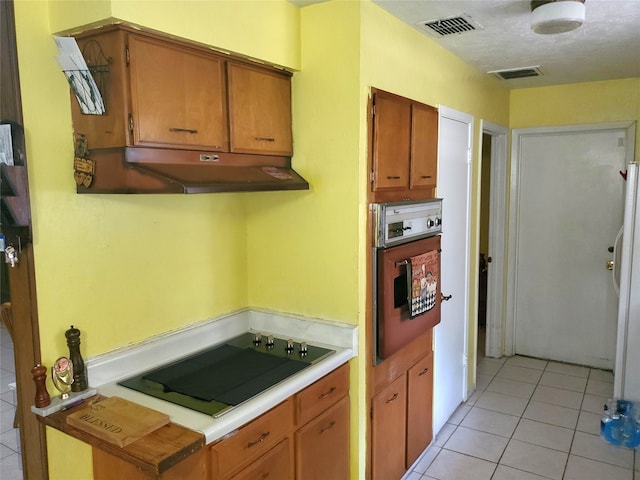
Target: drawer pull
x=423 y=372
x=259 y=440
x=265 y=139
x=325 y=395
x=425 y=176
x=393 y=178
x=327 y=428
x=185 y=130
x=395 y=396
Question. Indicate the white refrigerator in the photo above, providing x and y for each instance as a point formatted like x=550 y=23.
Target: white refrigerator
x=627 y=365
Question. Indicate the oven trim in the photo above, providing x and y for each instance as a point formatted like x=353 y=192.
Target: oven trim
x=380 y=212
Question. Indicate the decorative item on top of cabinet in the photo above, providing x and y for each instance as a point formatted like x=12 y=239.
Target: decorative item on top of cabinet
x=404 y=148
x=184 y=118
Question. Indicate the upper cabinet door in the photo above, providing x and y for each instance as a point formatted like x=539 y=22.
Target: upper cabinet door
x=259 y=111
x=424 y=146
x=391 y=139
x=177 y=96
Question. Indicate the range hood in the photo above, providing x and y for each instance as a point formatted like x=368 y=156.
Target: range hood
x=157 y=170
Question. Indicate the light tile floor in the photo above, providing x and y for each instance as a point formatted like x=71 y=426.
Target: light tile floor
x=10 y=458
x=529 y=419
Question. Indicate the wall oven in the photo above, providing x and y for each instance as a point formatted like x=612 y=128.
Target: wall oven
x=406 y=269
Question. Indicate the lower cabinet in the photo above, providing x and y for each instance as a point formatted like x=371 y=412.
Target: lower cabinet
x=306 y=437
x=322 y=445
x=419 y=408
x=249 y=445
x=389 y=413
x=402 y=409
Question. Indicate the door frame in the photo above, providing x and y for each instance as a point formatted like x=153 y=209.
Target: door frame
x=496 y=275
x=517 y=137
x=22 y=287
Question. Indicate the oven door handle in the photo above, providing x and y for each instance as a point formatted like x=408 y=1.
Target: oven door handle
x=403 y=262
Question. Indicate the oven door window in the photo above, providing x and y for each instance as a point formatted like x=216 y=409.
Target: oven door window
x=400 y=291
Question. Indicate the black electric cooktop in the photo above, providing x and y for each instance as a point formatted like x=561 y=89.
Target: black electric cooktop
x=217 y=379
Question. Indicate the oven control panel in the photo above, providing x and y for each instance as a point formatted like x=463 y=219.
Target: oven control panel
x=403 y=222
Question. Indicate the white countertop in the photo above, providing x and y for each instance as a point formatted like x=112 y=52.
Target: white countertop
x=104 y=371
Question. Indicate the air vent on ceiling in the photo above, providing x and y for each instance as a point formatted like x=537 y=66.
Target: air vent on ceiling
x=510 y=74
x=451 y=25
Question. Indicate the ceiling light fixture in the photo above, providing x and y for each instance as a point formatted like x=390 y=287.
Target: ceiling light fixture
x=556 y=16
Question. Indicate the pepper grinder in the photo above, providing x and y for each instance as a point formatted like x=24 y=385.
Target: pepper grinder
x=39 y=373
x=79 y=372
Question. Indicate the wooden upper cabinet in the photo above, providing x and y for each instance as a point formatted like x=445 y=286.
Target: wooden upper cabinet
x=424 y=146
x=404 y=148
x=391 y=138
x=177 y=96
x=259 y=110
x=163 y=92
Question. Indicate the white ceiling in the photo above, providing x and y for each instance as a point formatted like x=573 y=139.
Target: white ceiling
x=605 y=47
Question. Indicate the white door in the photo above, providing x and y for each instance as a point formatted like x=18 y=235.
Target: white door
x=567 y=205
x=454 y=182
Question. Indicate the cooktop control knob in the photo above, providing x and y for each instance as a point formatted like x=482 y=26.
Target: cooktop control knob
x=304 y=349
x=270 y=341
x=257 y=339
x=289 y=347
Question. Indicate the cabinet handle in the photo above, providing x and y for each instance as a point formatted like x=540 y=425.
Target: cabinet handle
x=425 y=176
x=423 y=372
x=186 y=130
x=325 y=395
x=265 y=139
x=327 y=428
x=259 y=440
x=393 y=178
x=395 y=395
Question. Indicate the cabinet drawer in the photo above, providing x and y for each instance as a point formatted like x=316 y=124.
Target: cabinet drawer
x=275 y=464
x=320 y=395
x=252 y=440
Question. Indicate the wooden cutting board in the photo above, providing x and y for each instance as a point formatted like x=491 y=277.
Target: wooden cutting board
x=117 y=421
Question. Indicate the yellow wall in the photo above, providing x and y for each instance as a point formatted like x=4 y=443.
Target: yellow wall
x=580 y=103
x=401 y=60
x=123 y=268
x=264 y=29
x=303 y=248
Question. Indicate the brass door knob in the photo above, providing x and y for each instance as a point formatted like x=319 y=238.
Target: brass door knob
x=610 y=265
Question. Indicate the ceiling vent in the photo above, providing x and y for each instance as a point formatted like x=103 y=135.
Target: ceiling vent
x=451 y=25
x=512 y=73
